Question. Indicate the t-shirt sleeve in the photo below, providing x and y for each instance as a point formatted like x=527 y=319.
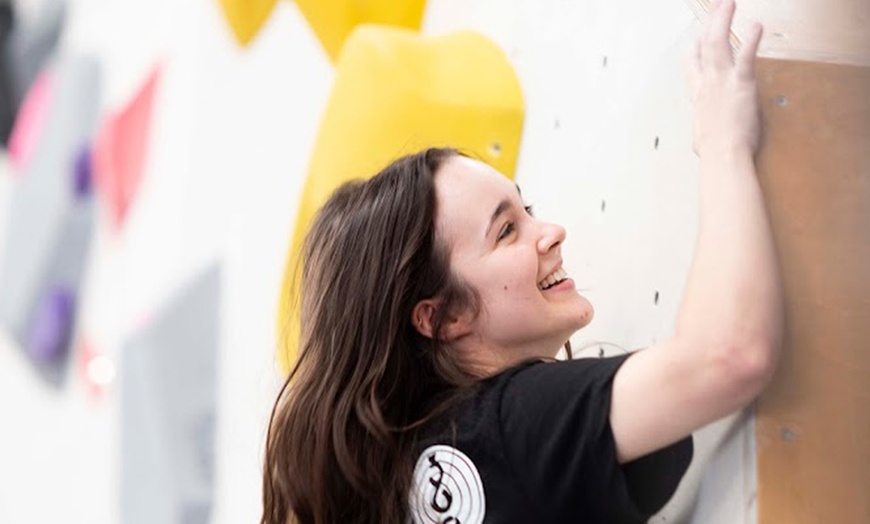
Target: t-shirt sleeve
x=555 y=423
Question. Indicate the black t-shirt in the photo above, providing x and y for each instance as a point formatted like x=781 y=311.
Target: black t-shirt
x=534 y=444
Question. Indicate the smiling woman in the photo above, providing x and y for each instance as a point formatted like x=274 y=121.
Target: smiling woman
x=508 y=257
x=433 y=304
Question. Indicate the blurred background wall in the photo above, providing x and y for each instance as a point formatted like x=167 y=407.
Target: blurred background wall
x=198 y=250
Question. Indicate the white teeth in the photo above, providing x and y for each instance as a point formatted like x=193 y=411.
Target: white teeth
x=551 y=279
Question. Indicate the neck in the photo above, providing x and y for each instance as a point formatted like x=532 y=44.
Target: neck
x=484 y=360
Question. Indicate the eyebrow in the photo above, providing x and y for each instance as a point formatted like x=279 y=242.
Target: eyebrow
x=502 y=206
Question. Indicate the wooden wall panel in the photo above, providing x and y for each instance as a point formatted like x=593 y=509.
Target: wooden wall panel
x=813 y=422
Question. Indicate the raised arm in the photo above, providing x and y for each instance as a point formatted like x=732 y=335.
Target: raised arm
x=725 y=344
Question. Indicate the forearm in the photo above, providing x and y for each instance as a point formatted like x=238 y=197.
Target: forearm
x=733 y=297
x=728 y=328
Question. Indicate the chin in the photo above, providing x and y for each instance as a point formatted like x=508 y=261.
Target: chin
x=588 y=315
x=585 y=314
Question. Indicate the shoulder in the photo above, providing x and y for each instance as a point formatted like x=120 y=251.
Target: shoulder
x=524 y=393
x=556 y=373
x=489 y=453
x=553 y=385
x=555 y=420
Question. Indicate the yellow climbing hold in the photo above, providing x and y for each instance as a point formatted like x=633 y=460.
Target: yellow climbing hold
x=395 y=93
x=246 y=17
x=334 y=20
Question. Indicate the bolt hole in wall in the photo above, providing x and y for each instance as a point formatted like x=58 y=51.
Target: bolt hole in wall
x=781 y=101
x=656 y=145
x=656 y=298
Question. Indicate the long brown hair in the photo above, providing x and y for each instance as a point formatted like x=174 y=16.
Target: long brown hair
x=343 y=430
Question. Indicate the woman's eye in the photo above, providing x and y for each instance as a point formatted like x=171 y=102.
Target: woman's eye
x=508 y=229
x=529 y=211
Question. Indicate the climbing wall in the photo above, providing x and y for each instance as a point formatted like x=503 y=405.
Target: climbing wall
x=212 y=118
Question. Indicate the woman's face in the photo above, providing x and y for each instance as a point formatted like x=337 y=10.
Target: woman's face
x=511 y=259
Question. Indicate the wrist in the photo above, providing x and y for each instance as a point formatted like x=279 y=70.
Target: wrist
x=720 y=151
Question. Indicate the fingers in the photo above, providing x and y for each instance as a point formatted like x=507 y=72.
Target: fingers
x=712 y=53
x=716 y=50
x=746 y=56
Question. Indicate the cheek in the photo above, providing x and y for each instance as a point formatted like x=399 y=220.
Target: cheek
x=515 y=276
x=510 y=274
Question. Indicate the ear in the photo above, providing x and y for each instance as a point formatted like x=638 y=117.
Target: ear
x=454 y=326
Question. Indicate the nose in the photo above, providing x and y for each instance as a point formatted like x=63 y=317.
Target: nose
x=551 y=235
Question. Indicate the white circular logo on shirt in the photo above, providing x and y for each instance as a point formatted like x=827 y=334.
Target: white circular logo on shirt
x=446 y=488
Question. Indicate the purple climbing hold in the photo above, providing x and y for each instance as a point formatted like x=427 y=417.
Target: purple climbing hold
x=82 y=173
x=49 y=332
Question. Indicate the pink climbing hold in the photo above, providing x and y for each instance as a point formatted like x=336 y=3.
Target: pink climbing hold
x=30 y=121
x=118 y=156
